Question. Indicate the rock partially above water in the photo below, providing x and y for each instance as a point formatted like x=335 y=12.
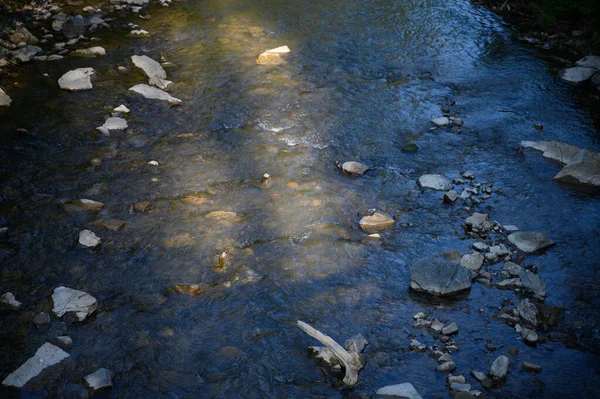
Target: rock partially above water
x=434 y=182
x=438 y=276
x=153 y=93
x=555 y=150
x=499 y=368
x=354 y=168
x=122 y=109
x=591 y=61
x=376 y=222
x=577 y=75
x=528 y=312
x=89 y=52
x=46 y=356
x=70 y=300
x=113 y=123
x=89 y=204
x=88 y=239
x=403 y=391
x=26 y=54
x=533 y=283
x=156 y=74
x=77 y=79
x=5 y=100
x=101 y=378
x=584 y=170
x=273 y=56
x=530 y=241
x=441 y=122
x=472 y=261
x=8 y=300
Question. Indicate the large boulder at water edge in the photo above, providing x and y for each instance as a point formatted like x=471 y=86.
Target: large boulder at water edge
x=438 y=276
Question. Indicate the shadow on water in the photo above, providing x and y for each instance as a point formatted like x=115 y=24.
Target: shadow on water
x=362 y=80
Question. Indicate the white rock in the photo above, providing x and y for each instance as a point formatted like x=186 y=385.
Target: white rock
x=155 y=72
x=499 y=368
x=122 y=109
x=273 y=56
x=139 y=32
x=155 y=94
x=114 y=124
x=89 y=52
x=46 y=356
x=5 y=100
x=10 y=301
x=434 y=182
x=153 y=163
x=591 y=61
x=577 y=75
x=77 y=79
x=88 y=239
x=101 y=378
x=354 y=168
x=441 y=122
x=404 y=391
x=70 y=300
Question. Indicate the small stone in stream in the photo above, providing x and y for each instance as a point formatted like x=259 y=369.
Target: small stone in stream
x=532 y=367
x=528 y=312
x=481 y=247
x=410 y=147
x=96 y=162
x=485 y=381
x=63 y=341
x=450 y=196
x=400 y=391
x=26 y=54
x=438 y=276
x=509 y=284
x=436 y=327
x=455 y=386
x=450 y=329
x=446 y=357
x=528 y=335
x=114 y=124
x=476 y=221
x=101 y=378
x=590 y=61
x=41 y=319
x=486 y=282
x=459 y=379
x=421 y=323
x=533 y=283
x=441 y=122
x=139 y=32
x=77 y=79
x=472 y=261
x=156 y=74
x=512 y=268
x=88 y=239
x=356 y=344
x=416 y=346
x=456 y=121
x=153 y=93
x=5 y=100
x=530 y=241
x=22 y=35
x=69 y=300
x=577 y=75
x=510 y=228
x=89 y=204
x=122 y=109
x=434 y=182
x=468 y=175
x=419 y=315
x=143 y=206
x=436 y=354
x=75 y=26
x=491 y=257
x=153 y=163
x=96 y=51
x=376 y=222
x=353 y=168
x=273 y=56
x=447 y=367
x=445 y=339
x=452 y=255
x=452 y=348
x=499 y=369
x=8 y=300
x=509 y=319
x=47 y=355
x=113 y=224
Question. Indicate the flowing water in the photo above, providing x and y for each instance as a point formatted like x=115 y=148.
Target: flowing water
x=363 y=79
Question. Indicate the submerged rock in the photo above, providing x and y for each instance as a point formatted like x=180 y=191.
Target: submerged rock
x=434 y=182
x=101 y=378
x=89 y=52
x=156 y=74
x=153 y=93
x=438 y=276
x=404 y=391
x=530 y=242
x=5 y=100
x=376 y=222
x=354 y=168
x=8 y=300
x=77 y=79
x=75 y=26
x=531 y=367
x=70 y=300
x=273 y=56
x=46 y=356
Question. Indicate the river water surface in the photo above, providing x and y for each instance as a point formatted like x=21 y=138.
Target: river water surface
x=363 y=79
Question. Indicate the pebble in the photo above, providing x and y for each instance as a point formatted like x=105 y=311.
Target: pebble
x=436 y=327
x=419 y=315
x=446 y=367
x=451 y=196
x=459 y=379
x=41 y=319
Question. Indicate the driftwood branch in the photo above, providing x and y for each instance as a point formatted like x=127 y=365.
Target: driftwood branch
x=351 y=363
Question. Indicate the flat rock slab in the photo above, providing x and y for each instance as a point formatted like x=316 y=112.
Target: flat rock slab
x=153 y=93
x=354 y=168
x=101 y=378
x=114 y=123
x=5 y=100
x=156 y=74
x=434 y=182
x=376 y=222
x=46 y=356
x=577 y=75
x=530 y=241
x=555 y=150
x=441 y=122
x=438 y=276
x=404 y=391
x=77 y=79
x=70 y=300
x=591 y=61
x=26 y=54
x=583 y=170
x=96 y=51
x=273 y=56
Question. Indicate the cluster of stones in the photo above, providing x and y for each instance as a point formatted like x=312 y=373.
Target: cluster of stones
x=586 y=69
x=457 y=190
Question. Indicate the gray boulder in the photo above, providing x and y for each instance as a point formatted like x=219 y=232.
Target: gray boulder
x=591 y=61
x=533 y=283
x=69 y=300
x=530 y=241
x=528 y=312
x=555 y=150
x=499 y=368
x=26 y=54
x=354 y=168
x=8 y=300
x=472 y=261
x=400 y=391
x=434 y=182
x=438 y=276
x=46 y=356
x=584 y=169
